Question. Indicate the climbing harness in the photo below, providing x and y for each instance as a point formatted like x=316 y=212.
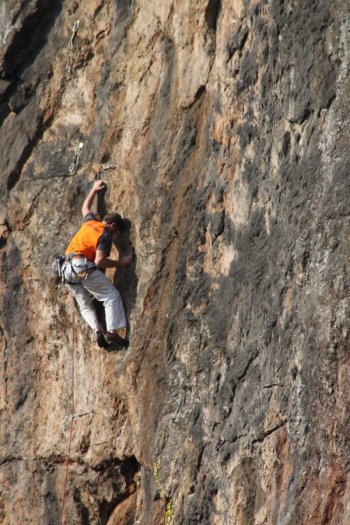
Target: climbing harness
x=77 y=276
x=76 y=158
x=63 y=268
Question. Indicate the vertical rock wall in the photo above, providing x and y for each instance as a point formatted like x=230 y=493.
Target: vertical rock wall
x=222 y=131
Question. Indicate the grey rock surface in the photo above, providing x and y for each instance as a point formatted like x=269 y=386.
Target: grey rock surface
x=222 y=132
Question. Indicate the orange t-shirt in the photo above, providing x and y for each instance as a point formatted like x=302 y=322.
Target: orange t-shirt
x=86 y=239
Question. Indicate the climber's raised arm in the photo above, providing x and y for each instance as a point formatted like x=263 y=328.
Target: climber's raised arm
x=98 y=186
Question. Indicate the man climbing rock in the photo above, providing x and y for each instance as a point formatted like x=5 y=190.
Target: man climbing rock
x=86 y=255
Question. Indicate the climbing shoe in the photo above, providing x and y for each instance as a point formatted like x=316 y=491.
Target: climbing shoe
x=100 y=340
x=113 y=338
x=122 y=332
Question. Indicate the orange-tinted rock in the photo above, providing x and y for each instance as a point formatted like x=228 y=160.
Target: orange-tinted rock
x=221 y=130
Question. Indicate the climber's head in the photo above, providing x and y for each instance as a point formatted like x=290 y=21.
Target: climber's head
x=113 y=222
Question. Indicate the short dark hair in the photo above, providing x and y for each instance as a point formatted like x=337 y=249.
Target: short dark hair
x=114 y=218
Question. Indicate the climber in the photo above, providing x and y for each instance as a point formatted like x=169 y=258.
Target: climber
x=86 y=255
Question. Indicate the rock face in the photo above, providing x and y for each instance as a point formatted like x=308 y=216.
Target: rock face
x=222 y=131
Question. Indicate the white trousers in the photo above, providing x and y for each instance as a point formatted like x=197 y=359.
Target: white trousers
x=95 y=285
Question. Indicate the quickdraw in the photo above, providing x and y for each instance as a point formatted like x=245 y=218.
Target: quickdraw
x=71 y=45
x=74 y=32
x=57 y=266
x=76 y=158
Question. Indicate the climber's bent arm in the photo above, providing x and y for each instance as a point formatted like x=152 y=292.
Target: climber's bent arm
x=102 y=261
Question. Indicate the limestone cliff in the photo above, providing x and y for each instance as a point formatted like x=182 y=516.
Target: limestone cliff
x=222 y=131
